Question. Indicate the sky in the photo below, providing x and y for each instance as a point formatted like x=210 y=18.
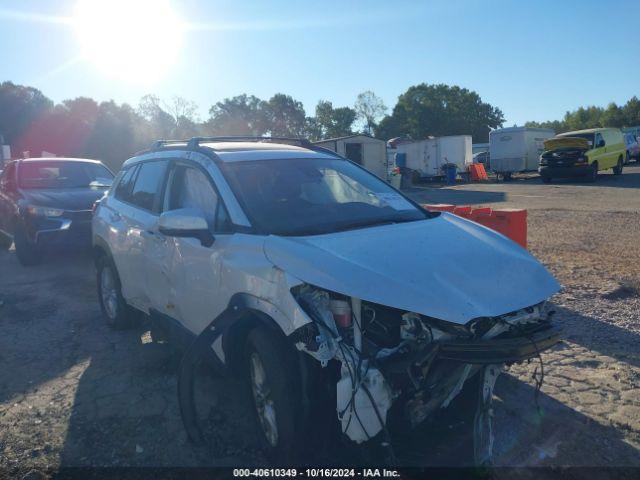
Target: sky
x=533 y=59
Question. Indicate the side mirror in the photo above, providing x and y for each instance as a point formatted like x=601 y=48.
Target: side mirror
x=600 y=144
x=186 y=222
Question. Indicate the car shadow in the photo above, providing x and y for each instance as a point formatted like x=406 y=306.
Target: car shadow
x=605 y=179
x=599 y=336
x=126 y=402
x=553 y=434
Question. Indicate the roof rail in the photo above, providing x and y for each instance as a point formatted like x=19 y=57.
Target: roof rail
x=164 y=143
x=195 y=141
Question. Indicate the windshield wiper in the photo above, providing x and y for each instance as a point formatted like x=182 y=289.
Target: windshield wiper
x=374 y=223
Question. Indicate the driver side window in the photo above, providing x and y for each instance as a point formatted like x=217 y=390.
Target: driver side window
x=189 y=187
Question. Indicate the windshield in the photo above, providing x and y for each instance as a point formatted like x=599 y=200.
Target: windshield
x=57 y=174
x=314 y=196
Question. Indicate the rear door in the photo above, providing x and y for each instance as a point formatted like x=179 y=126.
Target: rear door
x=138 y=218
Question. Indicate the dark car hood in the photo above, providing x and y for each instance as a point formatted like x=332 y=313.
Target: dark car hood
x=67 y=199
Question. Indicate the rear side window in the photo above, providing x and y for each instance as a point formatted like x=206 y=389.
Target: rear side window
x=147 y=184
x=123 y=189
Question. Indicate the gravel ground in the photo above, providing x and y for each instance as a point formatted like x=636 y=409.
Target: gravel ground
x=74 y=393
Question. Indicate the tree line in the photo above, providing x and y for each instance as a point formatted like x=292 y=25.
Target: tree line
x=112 y=132
x=627 y=115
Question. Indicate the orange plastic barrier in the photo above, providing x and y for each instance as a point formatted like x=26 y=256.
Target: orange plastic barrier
x=512 y=223
x=478 y=172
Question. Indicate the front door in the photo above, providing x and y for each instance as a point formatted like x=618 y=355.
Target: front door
x=599 y=153
x=182 y=275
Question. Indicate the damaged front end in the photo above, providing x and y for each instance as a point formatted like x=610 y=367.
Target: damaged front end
x=400 y=368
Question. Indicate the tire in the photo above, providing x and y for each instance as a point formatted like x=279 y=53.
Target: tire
x=272 y=384
x=28 y=254
x=546 y=179
x=5 y=242
x=627 y=158
x=593 y=173
x=617 y=170
x=117 y=314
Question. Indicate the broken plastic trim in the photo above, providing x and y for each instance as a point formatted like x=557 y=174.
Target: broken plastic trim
x=499 y=350
x=200 y=349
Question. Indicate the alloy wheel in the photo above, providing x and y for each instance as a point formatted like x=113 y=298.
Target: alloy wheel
x=108 y=293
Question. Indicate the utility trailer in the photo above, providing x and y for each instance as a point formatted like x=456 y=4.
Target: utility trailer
x=516 y=149
x=428 y=156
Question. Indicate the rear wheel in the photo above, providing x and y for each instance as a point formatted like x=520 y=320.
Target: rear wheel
x=118 y=315
x=27 y=252
x=272 y=381
x=617 y=170
x=5 y=242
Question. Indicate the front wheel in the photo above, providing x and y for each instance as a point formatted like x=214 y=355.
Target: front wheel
x=617 y=170
x=592 y=175
x=27 y=252
x=272 y=381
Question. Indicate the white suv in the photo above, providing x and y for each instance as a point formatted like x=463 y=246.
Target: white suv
x=336 y=289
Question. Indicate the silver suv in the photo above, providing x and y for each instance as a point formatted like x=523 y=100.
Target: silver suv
x=326 y=286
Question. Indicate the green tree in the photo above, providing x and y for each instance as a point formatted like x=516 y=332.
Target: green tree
x=240 y=115
x=631 y=112
x=369 y=109
x=20 y=107
x=440 y=110
x=113 y=137
x=174 y=119
x=334 y=122
x=285 y=116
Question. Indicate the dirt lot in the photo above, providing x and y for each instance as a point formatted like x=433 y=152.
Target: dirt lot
x=74 y=393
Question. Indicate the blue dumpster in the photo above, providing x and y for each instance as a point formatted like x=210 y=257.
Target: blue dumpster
x=450 y=173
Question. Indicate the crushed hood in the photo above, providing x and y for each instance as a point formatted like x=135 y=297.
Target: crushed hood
x=566 y=142
x=445 y=267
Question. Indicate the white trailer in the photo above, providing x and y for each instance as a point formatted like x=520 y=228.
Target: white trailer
x=516 y=149
x=428 y=156
x=367 y=151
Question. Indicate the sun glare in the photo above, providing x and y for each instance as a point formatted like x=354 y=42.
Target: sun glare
x=133 y=40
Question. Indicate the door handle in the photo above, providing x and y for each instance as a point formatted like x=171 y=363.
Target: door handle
x=156 y=236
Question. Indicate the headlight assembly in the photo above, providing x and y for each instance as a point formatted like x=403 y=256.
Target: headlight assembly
x=44 y=211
